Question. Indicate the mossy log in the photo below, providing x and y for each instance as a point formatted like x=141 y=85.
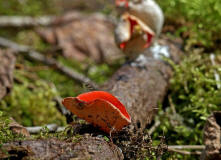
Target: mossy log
x=140 y=86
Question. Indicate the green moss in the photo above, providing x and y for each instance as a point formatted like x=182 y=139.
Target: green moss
x=194 y=95
x=27 y=7
x=200 y=19
x=31 y=103
x=65 y=86
x=6 y=134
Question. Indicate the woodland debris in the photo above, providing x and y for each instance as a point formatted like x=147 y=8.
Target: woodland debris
x=7 y=64
x=212 y=137
x=185 y=152
x=18 y=129
x=216 y=75
x=181 y=149
x=154 y=127
x=200 y=147
x=37 y=129
x=83 y=36
x=32 y=54
x=50 y=128
x=25 y=21
x=81 y=148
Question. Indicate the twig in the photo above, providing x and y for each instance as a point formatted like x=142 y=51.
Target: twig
x=61 y=108
x=185 y=152
x=181 y=149
x=28 y=21
x=217 y=77
x=201 y=147
x=51 y=128
x=154 y=127
x=172 y=106
x=58 y=100
x=46 y=60
x=25 y=21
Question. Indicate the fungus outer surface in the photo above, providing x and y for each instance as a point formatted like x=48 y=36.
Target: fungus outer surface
x=100 y=108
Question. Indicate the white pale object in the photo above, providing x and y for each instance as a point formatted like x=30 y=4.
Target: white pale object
x=148 y=15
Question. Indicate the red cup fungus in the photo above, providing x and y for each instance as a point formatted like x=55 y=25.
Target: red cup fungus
x=99 y=108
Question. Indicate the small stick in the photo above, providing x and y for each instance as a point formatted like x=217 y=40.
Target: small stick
x=180 y=149
x=217 y=77
x=37 y=129
x=154 y=127
x=28 y=21
x=172 y=106
x=25 y=21
x=185 y=152
x=46 y=60
x=51 y=128
x=201 y=147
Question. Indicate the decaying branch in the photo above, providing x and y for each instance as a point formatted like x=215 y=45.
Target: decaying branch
x=46 y=60
x=141 y=85
x=50 y=127
x=82 y=148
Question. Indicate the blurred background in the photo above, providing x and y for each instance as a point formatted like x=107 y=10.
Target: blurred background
x=194 y=89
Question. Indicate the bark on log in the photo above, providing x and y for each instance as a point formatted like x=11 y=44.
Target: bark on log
x=212 y=137
x=140 y=86
x=88 y=148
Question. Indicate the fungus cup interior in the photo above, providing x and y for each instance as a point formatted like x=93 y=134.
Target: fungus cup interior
x=99 y=108
x=144 y=30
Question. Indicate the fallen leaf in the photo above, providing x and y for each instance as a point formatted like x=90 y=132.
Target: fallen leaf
x=7 y=63
x=18 y=129
x=83 y=36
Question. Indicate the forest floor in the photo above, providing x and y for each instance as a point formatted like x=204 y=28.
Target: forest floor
x=194 y=88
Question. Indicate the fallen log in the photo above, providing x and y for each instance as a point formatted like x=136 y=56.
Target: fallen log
x=140 y=85
x=85 y=147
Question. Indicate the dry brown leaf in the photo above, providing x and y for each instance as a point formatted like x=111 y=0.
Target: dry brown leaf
x=7 y=63
x=83 y=36
x=18 y=129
